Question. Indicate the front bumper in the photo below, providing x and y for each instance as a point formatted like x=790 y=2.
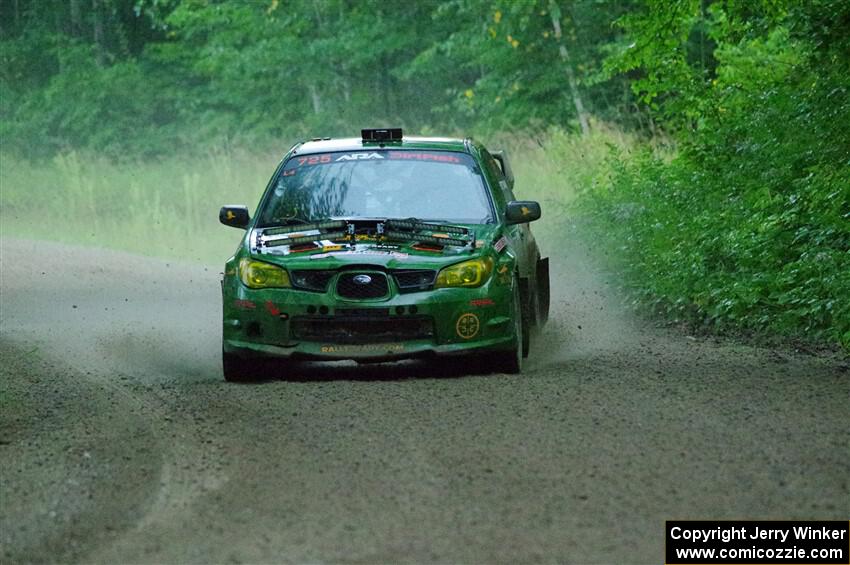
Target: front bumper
x=289 y=323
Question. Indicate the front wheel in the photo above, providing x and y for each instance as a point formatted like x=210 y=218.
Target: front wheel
x=510 y=360
x=238 y=369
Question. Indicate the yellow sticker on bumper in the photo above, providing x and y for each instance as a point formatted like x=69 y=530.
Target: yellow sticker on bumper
x=467 y=326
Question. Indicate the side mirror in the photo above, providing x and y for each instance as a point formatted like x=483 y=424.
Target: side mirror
x=522 y=211
x=234 y=216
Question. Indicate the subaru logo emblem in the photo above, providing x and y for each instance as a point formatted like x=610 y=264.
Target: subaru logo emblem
x=362 y=279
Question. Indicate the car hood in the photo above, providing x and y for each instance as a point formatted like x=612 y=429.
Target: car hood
x=388 y=254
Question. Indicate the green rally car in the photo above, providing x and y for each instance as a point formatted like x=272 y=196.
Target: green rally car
x=384 y=247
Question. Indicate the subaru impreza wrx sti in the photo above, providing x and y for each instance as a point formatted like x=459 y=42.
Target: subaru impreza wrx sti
x=384 y=247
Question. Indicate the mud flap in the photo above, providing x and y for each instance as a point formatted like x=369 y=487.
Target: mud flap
x=542 y=291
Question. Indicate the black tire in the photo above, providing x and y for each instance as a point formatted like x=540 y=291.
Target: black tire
x=525 y=321
x=238 y=369
x=527 y=302
x=510 y=361
x=543 y=292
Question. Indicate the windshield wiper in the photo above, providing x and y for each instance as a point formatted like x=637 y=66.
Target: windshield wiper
x=417 y=220
x=293 y=221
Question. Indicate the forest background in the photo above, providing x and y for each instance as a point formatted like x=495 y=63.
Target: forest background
x=704 y=146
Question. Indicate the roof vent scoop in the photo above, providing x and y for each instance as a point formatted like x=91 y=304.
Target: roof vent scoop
x=386 y=134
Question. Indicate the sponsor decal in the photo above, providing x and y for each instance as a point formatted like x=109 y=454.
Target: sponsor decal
x=482 y=302
x=302 y=247
x=364 y=348
x=359 y=156
x=428 y=247
x=244 y=305
x=500 y=244
x=272 y=309
x=467 y=326
x=440 y=157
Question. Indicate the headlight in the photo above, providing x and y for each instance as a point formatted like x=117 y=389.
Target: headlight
x=472 y=273
x=256 y=274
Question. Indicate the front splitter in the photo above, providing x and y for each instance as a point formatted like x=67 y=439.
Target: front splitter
x=396 y=351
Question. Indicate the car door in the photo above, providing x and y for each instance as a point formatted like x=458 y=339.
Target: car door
x=520 y=239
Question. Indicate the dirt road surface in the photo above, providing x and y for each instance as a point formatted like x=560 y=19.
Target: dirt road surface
x=120 y=442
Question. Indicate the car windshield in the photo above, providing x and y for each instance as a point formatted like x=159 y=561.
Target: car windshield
x=428 y=185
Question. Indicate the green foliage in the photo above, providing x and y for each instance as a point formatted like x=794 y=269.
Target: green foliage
x=558 y=166
x=148 y=77
x=748 y=226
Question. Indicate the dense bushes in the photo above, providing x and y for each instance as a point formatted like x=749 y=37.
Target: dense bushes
x=748 y=226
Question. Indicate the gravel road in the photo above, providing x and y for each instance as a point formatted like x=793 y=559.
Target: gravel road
x=120 y=442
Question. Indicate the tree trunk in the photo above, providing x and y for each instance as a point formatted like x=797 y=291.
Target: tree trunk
x=97 y=27
x=314 y=96
x=555 y=13
x=76 y=19
x=346 y=89
x=58 y=26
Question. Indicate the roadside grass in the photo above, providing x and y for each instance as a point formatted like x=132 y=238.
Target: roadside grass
x=558 y=167
x=169 y=207
x=165 y=208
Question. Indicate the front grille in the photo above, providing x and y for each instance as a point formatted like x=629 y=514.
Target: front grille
x=363 y=312
x=362 y=330
x=311 y=280
x=415 y=280
x=361 y=286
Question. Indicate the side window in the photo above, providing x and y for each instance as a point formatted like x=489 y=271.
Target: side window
x=493 y=166
x=495 y=169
